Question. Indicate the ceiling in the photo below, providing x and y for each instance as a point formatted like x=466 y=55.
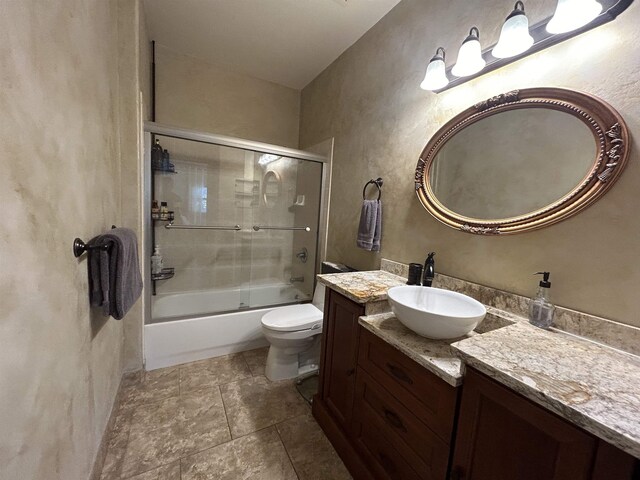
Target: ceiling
x=288 y=42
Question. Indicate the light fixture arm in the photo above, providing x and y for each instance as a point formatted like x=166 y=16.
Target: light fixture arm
x=542 y=39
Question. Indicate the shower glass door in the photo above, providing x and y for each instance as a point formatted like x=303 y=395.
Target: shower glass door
x=239 y=238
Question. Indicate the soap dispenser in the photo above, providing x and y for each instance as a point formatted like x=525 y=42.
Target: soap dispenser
x=541 y=310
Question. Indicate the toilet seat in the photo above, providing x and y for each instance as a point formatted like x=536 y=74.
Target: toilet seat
x=293 y=318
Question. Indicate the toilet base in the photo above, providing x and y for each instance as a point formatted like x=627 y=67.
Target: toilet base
x=284 y=362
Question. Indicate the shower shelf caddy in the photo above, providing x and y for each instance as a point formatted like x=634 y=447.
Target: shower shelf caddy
x=165 y=274
x=168 y=217
x=168 y=272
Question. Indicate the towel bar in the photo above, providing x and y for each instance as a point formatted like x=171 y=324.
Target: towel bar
x=263 y=227
x=79 y=247
x=171 y=226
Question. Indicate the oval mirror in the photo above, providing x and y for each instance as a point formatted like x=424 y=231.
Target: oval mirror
x=521 y=161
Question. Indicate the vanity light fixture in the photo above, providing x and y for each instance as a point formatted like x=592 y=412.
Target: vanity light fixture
x=436 y=76
x=573 y=14
x=518 y=39
x=470 y=59
x=514 y=36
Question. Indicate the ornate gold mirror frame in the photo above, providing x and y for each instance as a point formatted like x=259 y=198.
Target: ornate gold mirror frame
x=608 y=128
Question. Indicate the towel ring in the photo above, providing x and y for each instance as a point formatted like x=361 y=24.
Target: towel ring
x=377 y=182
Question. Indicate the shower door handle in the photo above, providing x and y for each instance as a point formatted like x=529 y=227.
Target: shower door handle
x=171 y=226
x=263 y=227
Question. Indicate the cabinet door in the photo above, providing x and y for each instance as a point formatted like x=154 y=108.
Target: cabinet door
x=503 y=436
x=340 y=356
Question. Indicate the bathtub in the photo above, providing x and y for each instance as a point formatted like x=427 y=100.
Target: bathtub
x=183 y=331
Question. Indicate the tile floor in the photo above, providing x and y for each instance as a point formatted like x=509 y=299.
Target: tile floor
x=217 y=419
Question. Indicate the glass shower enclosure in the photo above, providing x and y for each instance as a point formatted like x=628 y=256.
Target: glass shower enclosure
x=237 y=224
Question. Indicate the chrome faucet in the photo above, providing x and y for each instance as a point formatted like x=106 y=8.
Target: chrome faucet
x=429 y=270
x=296 y=279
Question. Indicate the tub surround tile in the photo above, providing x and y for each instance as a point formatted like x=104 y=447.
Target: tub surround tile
x=260 y=456
x=213 y=372
x=257 y=360
x=310 y=451
x=590 y=385
x=255 y=403
x=362 y=287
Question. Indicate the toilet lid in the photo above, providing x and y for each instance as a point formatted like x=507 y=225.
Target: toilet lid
x=293 y=317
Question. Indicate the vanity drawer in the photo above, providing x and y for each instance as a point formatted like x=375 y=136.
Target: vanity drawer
x=390 y=433
x=430 y=398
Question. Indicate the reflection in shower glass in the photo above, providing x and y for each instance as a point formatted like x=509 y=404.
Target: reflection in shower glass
x=228 y=270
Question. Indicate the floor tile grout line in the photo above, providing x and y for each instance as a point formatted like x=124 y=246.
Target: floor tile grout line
x=147 y=471
x=293 y=465
x=220 y=444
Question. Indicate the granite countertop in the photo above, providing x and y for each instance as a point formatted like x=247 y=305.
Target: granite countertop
x=591 y=385
x=362 y=287
x=437 y=356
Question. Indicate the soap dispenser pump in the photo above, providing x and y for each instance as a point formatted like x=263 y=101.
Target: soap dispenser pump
x=541 y=310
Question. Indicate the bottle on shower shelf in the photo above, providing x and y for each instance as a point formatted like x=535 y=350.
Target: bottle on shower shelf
x=156 y=156
x=157 y=262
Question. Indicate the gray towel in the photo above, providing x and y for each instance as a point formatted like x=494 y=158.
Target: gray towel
x=370 y=228
x=115 y=282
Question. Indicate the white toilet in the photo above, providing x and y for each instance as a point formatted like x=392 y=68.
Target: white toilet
x=294 y=331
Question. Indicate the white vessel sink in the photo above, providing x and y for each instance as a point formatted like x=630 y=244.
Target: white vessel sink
x=434 y=312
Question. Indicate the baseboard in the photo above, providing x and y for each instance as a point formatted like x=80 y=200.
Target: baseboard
x=340 y=441
x=98 y=463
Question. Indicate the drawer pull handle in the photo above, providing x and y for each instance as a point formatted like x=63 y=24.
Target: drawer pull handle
x=394 y=420
x=399 y=374
x=387 y=463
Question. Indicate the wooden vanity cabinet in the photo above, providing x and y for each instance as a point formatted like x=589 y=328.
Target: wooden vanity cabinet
x=403 y=415
x=339 y=356
x=386 y=416
x=503 y=436
x=333 y=404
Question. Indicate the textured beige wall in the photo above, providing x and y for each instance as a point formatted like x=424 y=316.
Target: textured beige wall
x=191 y=93
x=369 y=100
x=60 y=363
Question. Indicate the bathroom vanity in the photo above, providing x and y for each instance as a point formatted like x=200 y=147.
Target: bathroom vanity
x=399 y=406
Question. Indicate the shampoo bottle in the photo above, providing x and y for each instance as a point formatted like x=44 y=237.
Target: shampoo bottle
x=157 y=262
x=541 y=309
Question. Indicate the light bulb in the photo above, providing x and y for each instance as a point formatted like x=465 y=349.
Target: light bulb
x=573 y=14
x=514 y=37
x=470 y=59
x=436 y=77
